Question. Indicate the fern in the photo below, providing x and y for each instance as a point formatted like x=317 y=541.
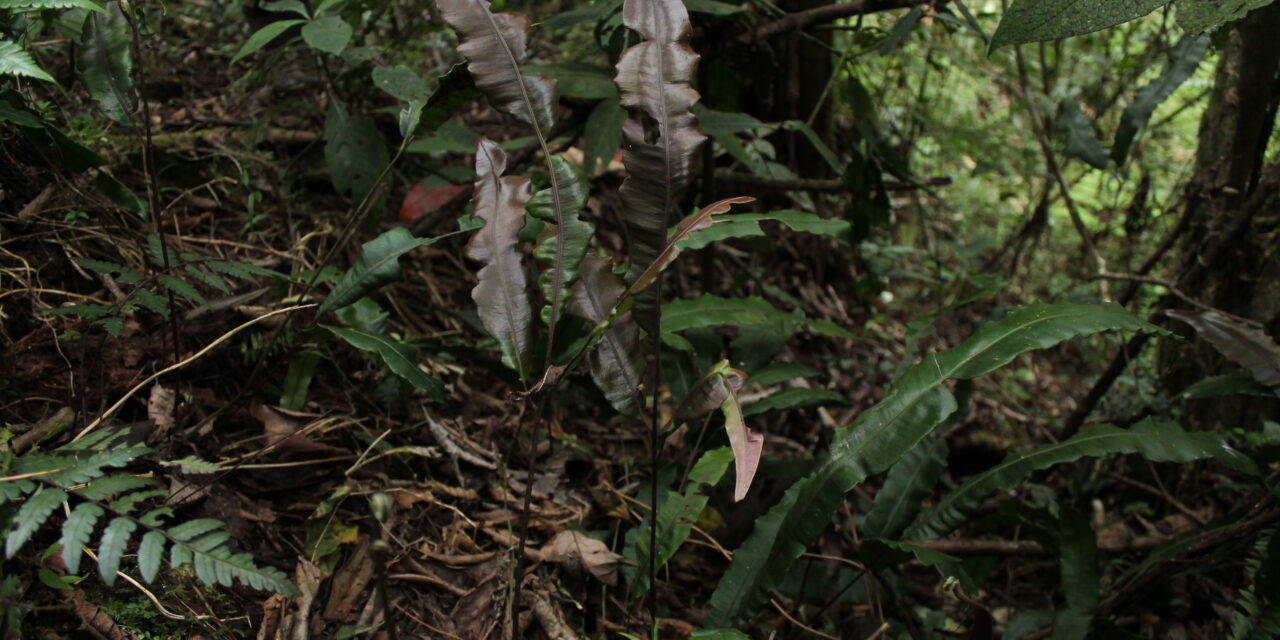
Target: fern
x=79 y=474
x=1258 y=614
x=180 y=279
x=14 y=61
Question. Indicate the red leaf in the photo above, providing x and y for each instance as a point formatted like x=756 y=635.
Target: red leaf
x=422 y=200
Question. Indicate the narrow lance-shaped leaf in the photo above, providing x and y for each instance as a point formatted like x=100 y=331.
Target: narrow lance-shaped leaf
x=1240 y=342
x=617 y=364
x=379 y=265
x=575 y=231
x=660 y=137
x=909 y=482
x=671 y=249
x=915 y=404
x=1156 y=441
x=501 y=296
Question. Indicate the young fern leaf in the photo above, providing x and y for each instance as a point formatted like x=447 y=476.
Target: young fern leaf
x=575 y=232
x=501 y=296
x=617 y=363
x=915 y=403
x=661 y=137
x=494 y=45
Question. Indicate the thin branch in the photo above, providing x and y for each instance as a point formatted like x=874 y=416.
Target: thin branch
x=828 y=13
x=764 y=183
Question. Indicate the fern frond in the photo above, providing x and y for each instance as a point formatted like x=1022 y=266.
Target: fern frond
x=50 y=4
x=182 y=288
x=15 y=61
x=103 y=488
x=32 y=514
x=76 y=532
x=150 y=553
x=114 y=540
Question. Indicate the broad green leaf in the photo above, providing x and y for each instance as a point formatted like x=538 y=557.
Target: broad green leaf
x=501 y=295
x=575 y=234
x=329 y=34
x=16 y=62
x=1078 y=559
x=676 y=515
x=402 y=82
x=1205 y=16
x=577 y=79
x=1183 y=62
x=394 y=355
x=354 y=151
x=1039 y=20
x=661 y=135
x=711 y=311
x=915 y=403
x=602 y=135
x=285 y=6
x=909 y=482
x=75 y=533
x=114 y=540
x=719 y=634
x=262 y=37
x=18 y=114
x=1081 y=140
x=1156 y=441
x=781 y=372
x=106 y=62
x=379 y=265
x=150 y=553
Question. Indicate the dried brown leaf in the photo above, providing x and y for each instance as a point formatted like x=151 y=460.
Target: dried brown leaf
x=578 y=549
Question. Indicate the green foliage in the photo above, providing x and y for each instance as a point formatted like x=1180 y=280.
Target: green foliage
x=908 y=483
x=379 y=265
x=77 y=474
x=1196 y=16
x=1039 y=20
x=1153 y=440
x=1258 y=614
x=916 y=402
x=106 y=62
x=677 y=513
x=395 y=356
x=16 y=62
x=1183 y=62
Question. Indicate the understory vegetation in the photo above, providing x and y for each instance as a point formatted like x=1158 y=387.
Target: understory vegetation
x=911 y=319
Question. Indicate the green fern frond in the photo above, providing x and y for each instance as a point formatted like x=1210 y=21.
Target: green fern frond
x=50 y=4
x=79 y=476
x=1258 y=608
x=14 y=61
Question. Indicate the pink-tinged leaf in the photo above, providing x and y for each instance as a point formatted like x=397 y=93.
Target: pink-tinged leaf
x=747 y=446
x=661 y=137
x=696 y=222
x=494 y=45
x=422 y=200
x=709 y=393
x=617 y=364
x=502 y=297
